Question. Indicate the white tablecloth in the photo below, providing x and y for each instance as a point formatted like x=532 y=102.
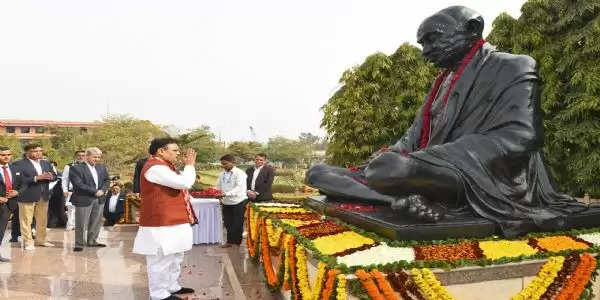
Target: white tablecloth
x=209 y=229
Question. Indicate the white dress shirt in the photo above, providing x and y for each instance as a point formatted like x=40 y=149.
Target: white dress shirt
x=173 y=238
x=66 y=184
x=94 y=173
x=254 y=176
x=36 y=165
x=112 y=203
x=233 y=186
x=7 y=170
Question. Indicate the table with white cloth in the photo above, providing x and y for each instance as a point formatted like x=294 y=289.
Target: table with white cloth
x=209 y=229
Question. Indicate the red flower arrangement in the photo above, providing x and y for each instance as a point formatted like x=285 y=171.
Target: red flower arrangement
x=207 y=193
x=313 y=231
x=464 y=250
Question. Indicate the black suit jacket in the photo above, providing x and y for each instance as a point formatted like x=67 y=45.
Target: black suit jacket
x=263 y=183
x=33 y=190
x=17 y=183
x=84 y=187
x=137 y=173
x=120 y=209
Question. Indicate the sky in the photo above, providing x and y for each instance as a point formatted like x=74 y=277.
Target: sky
x=269 y=64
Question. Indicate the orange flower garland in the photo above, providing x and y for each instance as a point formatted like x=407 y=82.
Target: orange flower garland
x=249 y=242
x=266 y=255
x=384 y=285
x=580 y=278
x=328 y=290
x=368 y=284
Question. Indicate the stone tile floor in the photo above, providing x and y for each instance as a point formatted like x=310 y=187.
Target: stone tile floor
x=115 y=273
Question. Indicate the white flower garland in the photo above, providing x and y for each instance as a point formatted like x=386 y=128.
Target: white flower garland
x=593 y=238
x=382 y=254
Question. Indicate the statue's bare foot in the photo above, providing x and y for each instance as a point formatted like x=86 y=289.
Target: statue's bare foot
x=420 y=208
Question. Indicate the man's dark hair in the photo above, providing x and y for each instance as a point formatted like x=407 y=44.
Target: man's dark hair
x=31 y=146
x=261 y=155
x=54 y=163
x=158 y=143
x=79 y=151
x=228 y=157
x=4 y=148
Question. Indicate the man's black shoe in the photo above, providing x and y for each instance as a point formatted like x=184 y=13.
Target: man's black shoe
x=184 y=290
x=77 y=249
x=14 y=240
x=172 y=297
x=97 y=245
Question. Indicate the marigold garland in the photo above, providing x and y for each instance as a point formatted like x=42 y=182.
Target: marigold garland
x=328 y=290
x=285 y=210
x=576 y=284
x=368 y=284
x=384 y=285
x=540 y=283
x=569 y=266
x=296 y=223
x=249 y=240
x=341 y=287
x=319 y=281
x=429 y=285
x=274 y=235
x=266 y=256
x=293 y=271
x=302 y=273
x=313 y=231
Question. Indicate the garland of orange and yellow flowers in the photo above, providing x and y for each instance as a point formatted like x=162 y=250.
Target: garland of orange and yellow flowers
x=302 y=274
x=545 y=277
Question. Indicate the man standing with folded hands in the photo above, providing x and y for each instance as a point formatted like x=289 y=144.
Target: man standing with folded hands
x=165 y=231
x=90 y=183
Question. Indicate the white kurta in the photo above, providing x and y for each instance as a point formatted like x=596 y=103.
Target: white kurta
x=169 y=239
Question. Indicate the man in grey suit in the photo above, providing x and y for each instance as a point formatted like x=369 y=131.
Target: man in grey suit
x=90 y=182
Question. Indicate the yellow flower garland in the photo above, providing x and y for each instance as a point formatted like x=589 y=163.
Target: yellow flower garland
x=430 y=287
x=502 y=248
x=336 y=243
x=302 y=273
x=286 y=263
x=341 y=287
x=273 y=234
x=538 y=286
x=318 y=286
x=253 y=224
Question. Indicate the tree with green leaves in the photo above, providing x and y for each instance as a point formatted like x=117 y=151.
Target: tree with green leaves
x=289 y=152
x=563 y=36
x=203 y=141
x=375 y=104
x=244 y=150
x=14 y=144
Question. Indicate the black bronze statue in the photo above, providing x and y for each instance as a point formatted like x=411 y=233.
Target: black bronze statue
x=475 y=144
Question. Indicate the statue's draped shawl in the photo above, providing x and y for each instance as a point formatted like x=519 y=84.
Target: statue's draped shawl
x=493 y=140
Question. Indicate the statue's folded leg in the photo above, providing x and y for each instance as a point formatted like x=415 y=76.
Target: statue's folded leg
x=342 y=183
x=396 y=174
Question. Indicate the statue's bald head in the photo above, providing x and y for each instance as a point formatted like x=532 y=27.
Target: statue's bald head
x=449 y=34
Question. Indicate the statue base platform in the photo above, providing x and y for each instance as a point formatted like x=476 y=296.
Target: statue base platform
x=393 y=225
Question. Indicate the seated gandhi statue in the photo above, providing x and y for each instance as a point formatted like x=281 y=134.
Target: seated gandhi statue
x=475 y=144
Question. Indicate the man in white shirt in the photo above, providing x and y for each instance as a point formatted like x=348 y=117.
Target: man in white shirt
x=165 y=231
x=232 y=183
x=68 y=188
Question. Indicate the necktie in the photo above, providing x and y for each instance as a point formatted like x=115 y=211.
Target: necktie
x=7 y=181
